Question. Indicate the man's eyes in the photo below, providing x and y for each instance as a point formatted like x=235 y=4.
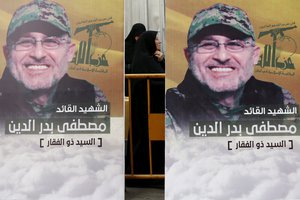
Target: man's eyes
x=216 y=44
x=31 y=41
x=208 y=44
x=234 y=44
x=25 y=42
x=50 y=42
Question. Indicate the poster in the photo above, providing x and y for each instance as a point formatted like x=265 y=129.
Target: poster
x=74 y=150
x=237 y=164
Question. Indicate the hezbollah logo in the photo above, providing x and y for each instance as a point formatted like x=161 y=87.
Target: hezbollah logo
x=94 y=43
x=277 y=54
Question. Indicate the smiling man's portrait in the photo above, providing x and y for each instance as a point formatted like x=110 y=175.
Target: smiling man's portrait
x=219 y=84
x=38 y=50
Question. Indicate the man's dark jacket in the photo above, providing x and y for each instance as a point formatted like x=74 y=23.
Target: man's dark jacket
x=13 y=104
x=189 y=101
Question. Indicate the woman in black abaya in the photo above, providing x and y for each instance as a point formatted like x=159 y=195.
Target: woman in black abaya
x=130 y=43
x=148 y=58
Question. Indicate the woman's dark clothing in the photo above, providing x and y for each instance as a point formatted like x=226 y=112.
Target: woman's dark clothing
x=130 y=42
x=144 y=61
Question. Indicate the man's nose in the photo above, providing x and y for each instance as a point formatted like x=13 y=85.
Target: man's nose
x=38 y=52
x=221 y=54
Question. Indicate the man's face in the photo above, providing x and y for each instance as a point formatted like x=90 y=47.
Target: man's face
x=221 y=70
x=39 y=68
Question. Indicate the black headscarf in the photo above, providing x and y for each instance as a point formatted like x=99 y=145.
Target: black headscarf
x=144 y=60
x=136 y=30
